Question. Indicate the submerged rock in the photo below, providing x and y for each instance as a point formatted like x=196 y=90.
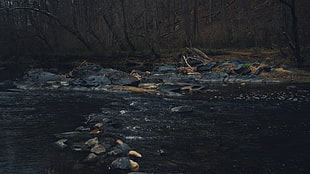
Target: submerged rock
x=91 y=157
x=125 y=163
x=61 y=143
x=98 y=149
x=92 y=141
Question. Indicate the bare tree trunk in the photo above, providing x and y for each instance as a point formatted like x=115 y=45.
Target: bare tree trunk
x=195 y=21
x=224 y=21
x=210 y=11
x=129 y=42
x=186 y=23
x=294 y=40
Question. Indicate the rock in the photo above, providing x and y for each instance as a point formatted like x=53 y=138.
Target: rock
x=123 y=147
x=47 y=76
x=7 y=84
x=206 y=67
x=125 y=163
x=97 y=81
x=82 y=128
x=121 y=163
x=98 y=148
x=92 y=141
x=61 y=143
x=91 y=157
x=182 y=109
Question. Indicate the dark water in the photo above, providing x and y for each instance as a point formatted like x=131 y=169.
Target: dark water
x=240 y=129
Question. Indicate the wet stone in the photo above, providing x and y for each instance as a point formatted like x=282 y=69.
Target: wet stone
x=82 y=128
x=91 y=157
x=121 y=163
x=98 y=148
x=92 y=141
x=61 y=143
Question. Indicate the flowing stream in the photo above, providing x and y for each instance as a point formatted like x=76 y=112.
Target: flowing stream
x=231 y=129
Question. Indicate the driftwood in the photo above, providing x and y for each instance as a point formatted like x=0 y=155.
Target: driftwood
x=195 y=54
x=199 y=53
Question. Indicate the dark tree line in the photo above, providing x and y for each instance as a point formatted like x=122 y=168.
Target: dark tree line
x=32 y=26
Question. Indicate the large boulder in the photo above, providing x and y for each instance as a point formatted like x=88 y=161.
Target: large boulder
x=41 y=76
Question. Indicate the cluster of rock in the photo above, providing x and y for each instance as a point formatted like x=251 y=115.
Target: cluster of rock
x=102 y=145
x=163 y=79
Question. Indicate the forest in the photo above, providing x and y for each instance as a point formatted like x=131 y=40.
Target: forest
x=42 y=27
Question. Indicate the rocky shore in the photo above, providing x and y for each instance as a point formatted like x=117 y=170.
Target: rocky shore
x=168 y=79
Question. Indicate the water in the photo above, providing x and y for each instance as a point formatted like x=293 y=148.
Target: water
x=240 y=129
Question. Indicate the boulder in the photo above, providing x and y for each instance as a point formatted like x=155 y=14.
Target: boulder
x=121 y=163
x=98 y=149
x=125 y=163
x=91 y=157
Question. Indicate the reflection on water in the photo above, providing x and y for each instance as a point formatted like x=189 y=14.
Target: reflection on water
x=231 y=130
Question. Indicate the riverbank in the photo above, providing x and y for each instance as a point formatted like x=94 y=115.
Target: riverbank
x=281 y=68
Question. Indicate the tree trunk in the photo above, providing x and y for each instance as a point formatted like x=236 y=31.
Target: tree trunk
x=128 y=41
x=224 y=21
x=294 y=41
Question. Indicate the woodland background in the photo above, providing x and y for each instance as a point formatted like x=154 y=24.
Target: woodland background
x=30 y=27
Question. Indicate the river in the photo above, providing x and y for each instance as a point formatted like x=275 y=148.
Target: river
x=231 y=129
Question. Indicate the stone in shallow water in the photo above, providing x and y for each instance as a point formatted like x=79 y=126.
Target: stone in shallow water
x=98 y=148
x=61 y=143
x=121 y=163
x=91 y=157
x=92 y=141
x=125 y=163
